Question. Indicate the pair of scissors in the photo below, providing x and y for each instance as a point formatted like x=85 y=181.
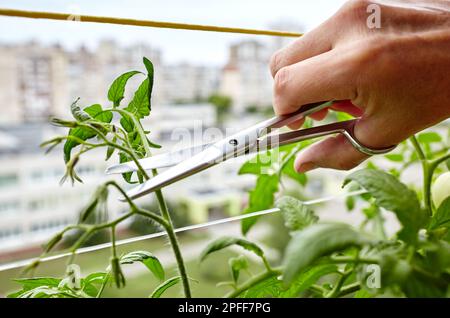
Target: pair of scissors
x=189 y=161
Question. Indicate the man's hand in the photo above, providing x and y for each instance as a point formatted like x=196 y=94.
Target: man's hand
x=396 y=78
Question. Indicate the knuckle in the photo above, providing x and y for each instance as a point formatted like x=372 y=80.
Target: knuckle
x=281 y=81
x=354 y=10
x=357 y=6
x=275 y=62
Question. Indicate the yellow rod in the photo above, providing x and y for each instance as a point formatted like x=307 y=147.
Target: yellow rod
x=143 y=23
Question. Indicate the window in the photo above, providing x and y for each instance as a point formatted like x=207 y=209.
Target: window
x=9 y=206
x=10 y=232
x=8 y=179
x=86 y=170
x=34 y=205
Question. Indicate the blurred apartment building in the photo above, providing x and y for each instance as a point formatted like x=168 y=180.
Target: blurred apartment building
x=246 y=77
x=40 y=81
x=32 y=203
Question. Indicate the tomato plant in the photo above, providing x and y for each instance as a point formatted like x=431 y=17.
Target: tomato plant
x=326 y=259
x=322 y=259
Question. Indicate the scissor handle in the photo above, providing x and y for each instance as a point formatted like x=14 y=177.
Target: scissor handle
x=345 y=128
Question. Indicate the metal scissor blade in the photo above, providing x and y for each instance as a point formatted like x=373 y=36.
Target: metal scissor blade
x=203 y=160
x=164 y=160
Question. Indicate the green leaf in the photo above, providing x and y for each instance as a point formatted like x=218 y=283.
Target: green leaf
x=48 y=292
x=442 y=216
x=289 y=171
x=260 y=198
x=140 y=105
x=260 y=164
x=236 y=265
x=164 y=286
x=341 y=116
x=127 y=123
x=80 y=133
x=29 y=283
x=150 y=75
x=123 y=157
x=396 y=157
x=391 y=194
x=97 y=113
x=429 y=137
x=350 y=202
x=371 y=211
x=437 y=256
x=316 y=241
x=273 y=286
x=227 y=241
x=269 y=287
x=117 y=89
x=146 y=258
x=95 y=278
x=32 y=283
x=88 y=283
x=420 y=286
x=362 y=293
x=77 y=113
x=307 y=278
x=296 y=215
x=110 y=150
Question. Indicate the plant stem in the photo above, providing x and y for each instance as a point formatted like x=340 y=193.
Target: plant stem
x=252 y=282
x=113 y=241
x=426 y=175
x=165 y=214
x=379 y=225
x=173 y=240
x=266 y=263
x=346 y=259
x=435 y=163
x=337 y=288
x=349 y=289
x=102 y=287
x=317 y=289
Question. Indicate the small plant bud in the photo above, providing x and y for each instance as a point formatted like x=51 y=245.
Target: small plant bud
x=117 y=273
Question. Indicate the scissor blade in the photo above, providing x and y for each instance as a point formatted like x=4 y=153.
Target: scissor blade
x=203 y=160
x=164 y=160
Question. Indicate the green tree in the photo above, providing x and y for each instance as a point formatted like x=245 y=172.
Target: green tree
x=223 y=104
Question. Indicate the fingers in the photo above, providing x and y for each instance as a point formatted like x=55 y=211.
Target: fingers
x=338 y=153
x=316 y=116
x=296 y=124
x=328 y=76
x=333 y=152
x=321 y=114
x=310 y=44
x=347 y=107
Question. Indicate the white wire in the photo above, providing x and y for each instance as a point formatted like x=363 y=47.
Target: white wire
x=83 y=250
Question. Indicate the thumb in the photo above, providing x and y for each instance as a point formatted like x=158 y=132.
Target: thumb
x=335 y=152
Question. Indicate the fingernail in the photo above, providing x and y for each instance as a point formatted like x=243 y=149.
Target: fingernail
x=305 y=167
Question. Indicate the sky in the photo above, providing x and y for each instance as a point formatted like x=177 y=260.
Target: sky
x=176 y=45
